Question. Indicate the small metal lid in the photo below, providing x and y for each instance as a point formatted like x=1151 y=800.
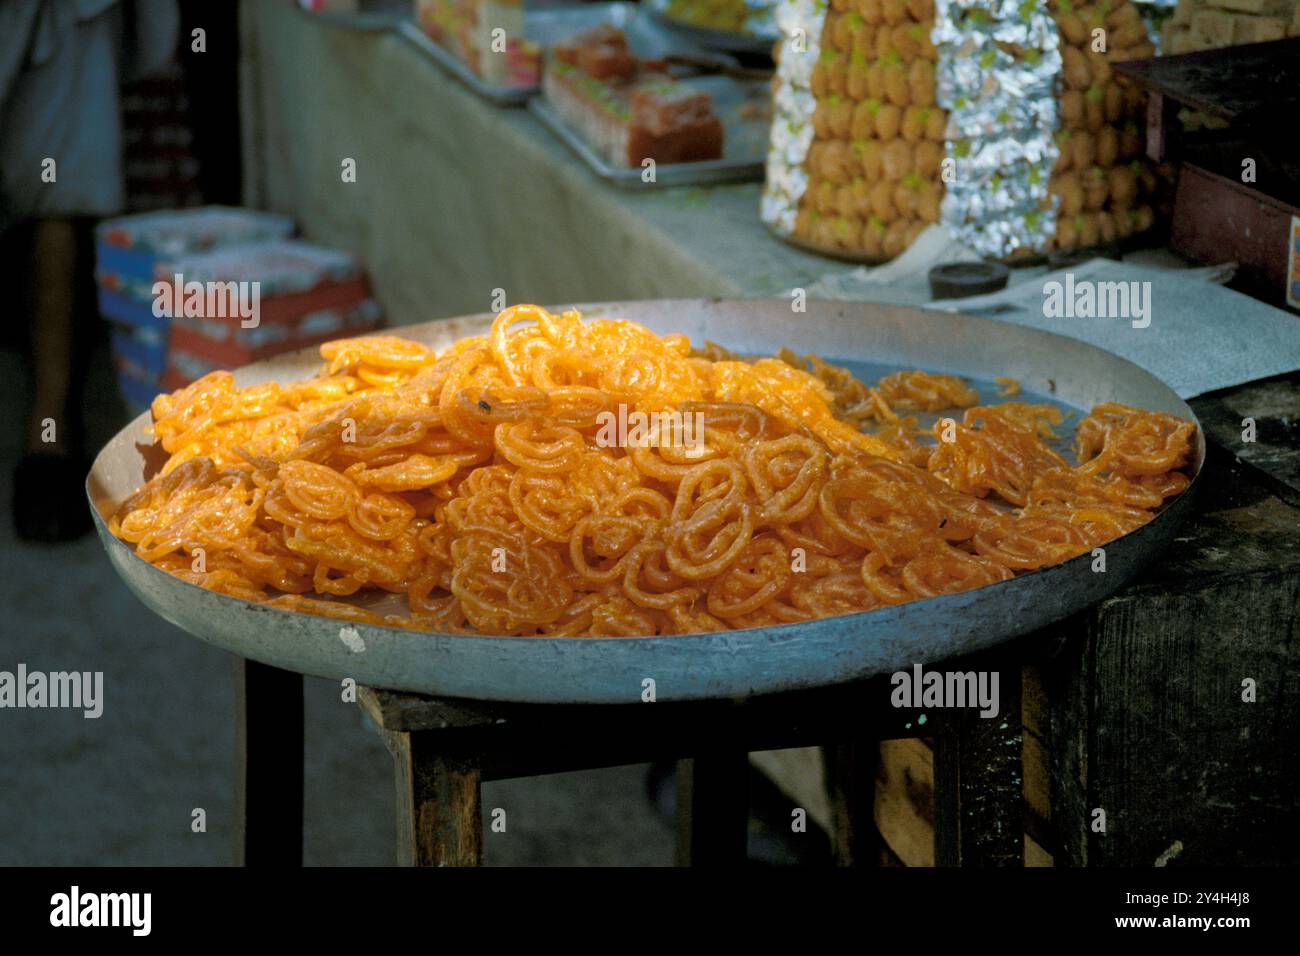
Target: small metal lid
x=959 y=280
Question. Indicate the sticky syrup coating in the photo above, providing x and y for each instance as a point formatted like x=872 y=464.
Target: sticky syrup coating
x=478 y=484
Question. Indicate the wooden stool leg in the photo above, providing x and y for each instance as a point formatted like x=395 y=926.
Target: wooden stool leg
x=439 y=804
x=851 y=786
x=713 y=809
x=979 y=785
x=268 y=765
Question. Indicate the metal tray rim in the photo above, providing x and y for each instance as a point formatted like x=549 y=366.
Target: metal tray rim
x=500 y=95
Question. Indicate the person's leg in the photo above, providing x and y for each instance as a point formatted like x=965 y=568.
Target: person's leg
x=61 y=146
x=54 y=298
x=49 y=503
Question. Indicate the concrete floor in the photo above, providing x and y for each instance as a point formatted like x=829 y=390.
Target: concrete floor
x=120 y=790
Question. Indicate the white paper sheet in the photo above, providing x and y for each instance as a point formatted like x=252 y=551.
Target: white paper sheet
x=1201 y=336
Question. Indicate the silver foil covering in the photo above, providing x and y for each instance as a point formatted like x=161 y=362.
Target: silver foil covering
x=800 y=23
x=1002 y=114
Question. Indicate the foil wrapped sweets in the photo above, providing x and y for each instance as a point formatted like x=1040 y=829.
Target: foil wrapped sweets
x=1000 y=119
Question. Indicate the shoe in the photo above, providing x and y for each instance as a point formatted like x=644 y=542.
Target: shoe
x=49 y=502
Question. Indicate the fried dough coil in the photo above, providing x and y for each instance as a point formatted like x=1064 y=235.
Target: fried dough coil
x=480 y=488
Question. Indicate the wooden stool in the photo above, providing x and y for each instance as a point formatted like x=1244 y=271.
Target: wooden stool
x=445 y=749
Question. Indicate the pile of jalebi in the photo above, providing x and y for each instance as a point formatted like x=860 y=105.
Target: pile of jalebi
x=481 y=484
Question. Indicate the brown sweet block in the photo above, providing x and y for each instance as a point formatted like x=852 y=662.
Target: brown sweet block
x=1182 y=41
x=1182 y=15
x=1213 y=27
x=698 y=141
x=1244 y=6
x=604 y=62
x=660 y=111
x=1257 y=29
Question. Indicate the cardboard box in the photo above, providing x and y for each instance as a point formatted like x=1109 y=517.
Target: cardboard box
x=131 y=245
x=226 y=345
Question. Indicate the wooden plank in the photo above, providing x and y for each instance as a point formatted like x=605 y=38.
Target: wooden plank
x=268 y=765
x=439 y=804
x=398 y=711
x=1034 y=710
x=1038 y=795
x=1148 y=721
x=1182 y=757
x=1274 y=406
x=1256 y=82
x=904 y=806
x=851 y=771
x=992 y=781
x=1035 y=855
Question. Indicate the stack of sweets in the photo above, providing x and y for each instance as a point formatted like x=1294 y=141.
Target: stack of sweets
x=488 y=35
x=874 y=164
x=1107 y=187
x=1001 y=120
x=131 y=251
x=256 y=300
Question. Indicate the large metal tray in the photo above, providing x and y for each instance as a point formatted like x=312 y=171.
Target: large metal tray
x=744 y=148
x=733 y=664
x=646 y=37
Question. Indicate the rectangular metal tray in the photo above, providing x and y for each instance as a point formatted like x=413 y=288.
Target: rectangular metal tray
x=645 y=35
x=744 y=146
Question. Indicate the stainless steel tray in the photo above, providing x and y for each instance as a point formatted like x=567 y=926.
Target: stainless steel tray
x=646 y=36
x=759 y=41
x=744 y=149
x=731 y=664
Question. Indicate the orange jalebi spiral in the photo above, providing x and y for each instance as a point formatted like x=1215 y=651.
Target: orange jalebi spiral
x=480 y=484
